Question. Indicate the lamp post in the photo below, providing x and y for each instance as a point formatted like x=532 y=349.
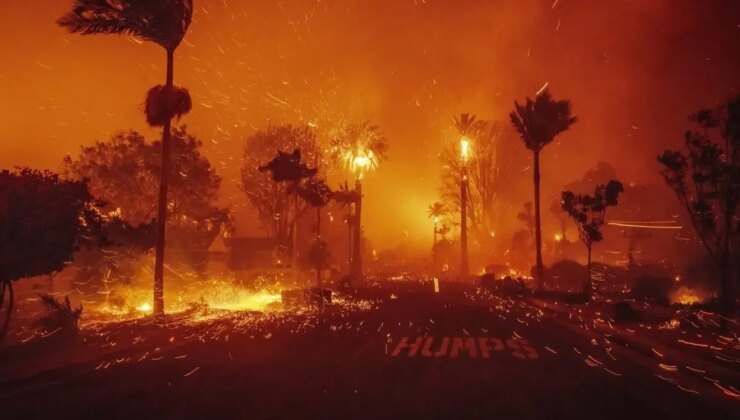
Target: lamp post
x=464 y=155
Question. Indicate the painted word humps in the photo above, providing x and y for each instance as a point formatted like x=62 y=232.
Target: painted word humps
x=472 y=347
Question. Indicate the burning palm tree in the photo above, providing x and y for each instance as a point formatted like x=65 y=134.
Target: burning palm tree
x=164 y=22
x=468 y=127
x=360 y=147
x=538 y=122
x=347 y=197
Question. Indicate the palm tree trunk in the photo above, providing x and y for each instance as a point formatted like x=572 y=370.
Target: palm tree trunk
x=434 y=244
x=464 y=270
x=11 y=300
x=350 y=223
x=318 y=267
x=162 y=207
x=294 y=239
x=357 y=246
x=537 y=228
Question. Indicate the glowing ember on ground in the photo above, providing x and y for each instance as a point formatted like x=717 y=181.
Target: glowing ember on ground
x=259 y=301
x=135 y=301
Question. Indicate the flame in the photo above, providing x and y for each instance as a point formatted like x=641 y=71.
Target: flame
x=464 y=148
x=247 y=301
x=687 y=296
x=360 y=160
x=133 y=301
x=144 y=307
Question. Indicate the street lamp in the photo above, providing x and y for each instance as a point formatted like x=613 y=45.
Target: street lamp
x=464 y=156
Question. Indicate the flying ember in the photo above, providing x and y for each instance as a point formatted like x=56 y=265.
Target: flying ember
x=369 y=209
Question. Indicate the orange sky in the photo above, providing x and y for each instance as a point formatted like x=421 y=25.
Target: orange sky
x=633 y=68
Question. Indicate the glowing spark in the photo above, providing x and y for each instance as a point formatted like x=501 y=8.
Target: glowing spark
x=542 y=89
x=192 y=371
x=669 y=368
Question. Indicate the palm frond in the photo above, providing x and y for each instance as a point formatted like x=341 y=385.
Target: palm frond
x=164 y=22
x=538 y=122
x=468 y=124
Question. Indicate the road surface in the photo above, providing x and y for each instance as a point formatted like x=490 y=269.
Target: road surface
x=402 y=351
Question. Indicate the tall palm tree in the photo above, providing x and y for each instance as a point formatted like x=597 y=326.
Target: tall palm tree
x=538 y=122
x=435 y=211
x=360 y=147
x=467 y=126
x=164 y=22
x=347 y=197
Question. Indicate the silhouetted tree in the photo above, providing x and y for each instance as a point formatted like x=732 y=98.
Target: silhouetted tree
x=124 y=172
x=317 y=194
x=490 y=167
x=707 y=182
x=43 y=219
x=599 y=174
x=60 y=317
x=467 y=125
x=115 y=261
x=271 y=199
x=288 y=168
x=164 y=22
x=589 y=213
x=538 y=122
x=347 y=198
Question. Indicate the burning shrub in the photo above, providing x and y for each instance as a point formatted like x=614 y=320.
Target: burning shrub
x=59 y=316
x=688 y=296
x=164 y=103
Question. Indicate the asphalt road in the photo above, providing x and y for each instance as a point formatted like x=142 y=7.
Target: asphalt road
x=503 y=359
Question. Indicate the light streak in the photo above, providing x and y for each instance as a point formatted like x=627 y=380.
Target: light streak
x=643 y=226
x=542 y=89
